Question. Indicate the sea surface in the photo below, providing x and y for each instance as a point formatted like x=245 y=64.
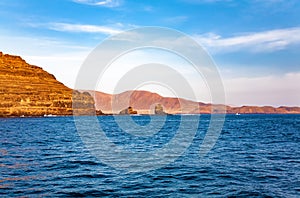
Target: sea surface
x=254 y=156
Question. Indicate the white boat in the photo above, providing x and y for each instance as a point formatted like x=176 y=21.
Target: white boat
x=237 y=114
x=49 y=115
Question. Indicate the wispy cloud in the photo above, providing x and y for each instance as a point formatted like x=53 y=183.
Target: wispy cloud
x=68 y=27
x=272 y=40
x=104 y=3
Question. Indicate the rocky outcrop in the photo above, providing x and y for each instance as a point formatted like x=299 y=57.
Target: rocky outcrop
x=159 y=110
x=28 y=90
x=128 y=111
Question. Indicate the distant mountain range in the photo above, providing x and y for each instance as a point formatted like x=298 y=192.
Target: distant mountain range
x=144 y=102
x=28 y=90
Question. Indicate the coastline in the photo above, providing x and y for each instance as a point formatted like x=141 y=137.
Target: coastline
x=103 y=115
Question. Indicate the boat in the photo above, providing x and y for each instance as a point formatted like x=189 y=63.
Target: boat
x=49 y=115
x=237 y=114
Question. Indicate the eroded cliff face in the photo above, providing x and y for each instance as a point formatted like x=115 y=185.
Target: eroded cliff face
x=30 y=91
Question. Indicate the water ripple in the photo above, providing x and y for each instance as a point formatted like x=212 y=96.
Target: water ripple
x=255 y=156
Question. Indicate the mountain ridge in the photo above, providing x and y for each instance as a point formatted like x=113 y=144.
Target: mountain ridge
x=144 y=102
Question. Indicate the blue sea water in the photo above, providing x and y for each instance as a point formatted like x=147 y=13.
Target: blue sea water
x=255 y=156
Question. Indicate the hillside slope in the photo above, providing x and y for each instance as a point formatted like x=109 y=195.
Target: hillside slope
x=30 y=91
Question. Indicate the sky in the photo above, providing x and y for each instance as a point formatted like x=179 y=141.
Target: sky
x=255 y=44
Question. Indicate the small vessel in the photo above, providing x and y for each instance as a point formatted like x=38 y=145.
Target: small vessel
x=49 y=115
x=237 y=114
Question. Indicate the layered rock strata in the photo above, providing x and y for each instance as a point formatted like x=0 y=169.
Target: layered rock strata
x=28 y=90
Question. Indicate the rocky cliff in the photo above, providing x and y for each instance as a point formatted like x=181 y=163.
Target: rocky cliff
x=30 y=91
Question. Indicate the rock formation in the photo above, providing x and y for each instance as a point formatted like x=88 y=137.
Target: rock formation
x=28 y=90
x=128 y=111
x=159 y=110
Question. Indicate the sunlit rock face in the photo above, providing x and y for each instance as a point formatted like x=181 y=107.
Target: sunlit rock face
x=28 y=90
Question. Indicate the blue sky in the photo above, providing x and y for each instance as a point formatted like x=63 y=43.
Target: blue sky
x=255 y=43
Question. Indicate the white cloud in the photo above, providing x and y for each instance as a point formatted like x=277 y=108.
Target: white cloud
x=271 y=40
x=104 y=3
x=67 y=27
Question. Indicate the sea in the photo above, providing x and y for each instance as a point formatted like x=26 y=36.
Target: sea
x=253 y=156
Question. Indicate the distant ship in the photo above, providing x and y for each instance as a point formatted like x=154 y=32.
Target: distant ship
x=237 y=114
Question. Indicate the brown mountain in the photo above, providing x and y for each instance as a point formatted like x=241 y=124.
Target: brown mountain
x=30 y=91
x=144 y=103
x=264 y=110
